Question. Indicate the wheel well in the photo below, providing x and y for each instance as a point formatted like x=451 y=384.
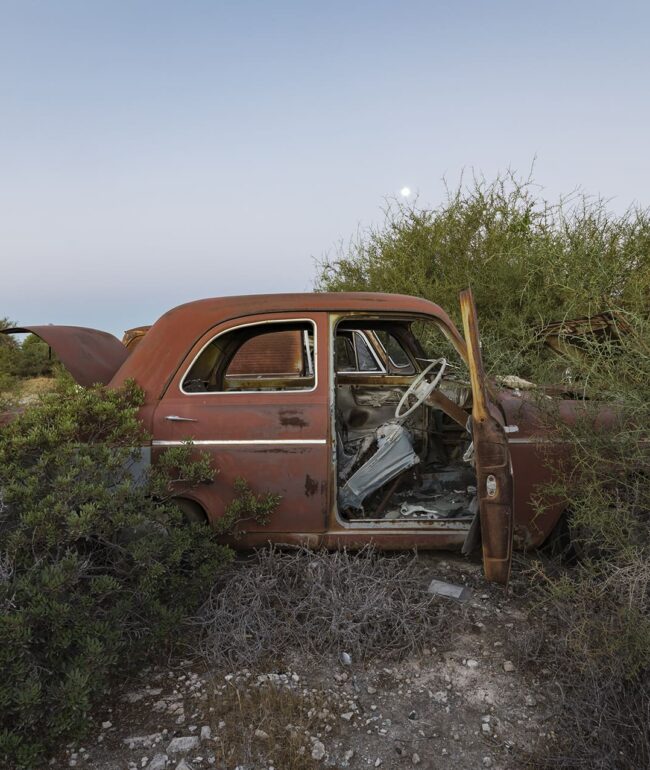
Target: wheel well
x=192 y=511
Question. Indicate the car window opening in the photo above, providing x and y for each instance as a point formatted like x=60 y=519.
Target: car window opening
x=258 y=357
x=399 y=460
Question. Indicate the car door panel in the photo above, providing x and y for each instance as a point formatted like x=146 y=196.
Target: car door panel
x=492 y=458
x=277 y=441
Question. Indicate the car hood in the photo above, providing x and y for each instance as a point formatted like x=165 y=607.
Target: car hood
x=91 y=356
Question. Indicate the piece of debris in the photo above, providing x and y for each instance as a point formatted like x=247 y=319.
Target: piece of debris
x=508 y=666
x=449 y=590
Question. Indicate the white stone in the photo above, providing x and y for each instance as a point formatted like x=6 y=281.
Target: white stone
x=415 y=759
x=158 y=762
x=347 y=716
x=318 y=751
x=182 y=765
x=183 y=744
x=206 y=733
x=508 y=666
x=107 y=725
x=261 y=735
x=471 y=663
x=141 y=741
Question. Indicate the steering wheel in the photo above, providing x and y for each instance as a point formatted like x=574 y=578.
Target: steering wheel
x=420 y=388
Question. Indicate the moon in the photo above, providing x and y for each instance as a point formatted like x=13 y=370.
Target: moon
x=405 y=192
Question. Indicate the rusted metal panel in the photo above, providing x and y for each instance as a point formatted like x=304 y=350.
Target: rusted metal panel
x=91 y=356
x=275 y=353
x=492 y=459
x=133 y=337
x=571 y=335
x=278 y=441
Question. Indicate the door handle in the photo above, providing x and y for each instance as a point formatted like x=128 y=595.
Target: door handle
x=176 y=418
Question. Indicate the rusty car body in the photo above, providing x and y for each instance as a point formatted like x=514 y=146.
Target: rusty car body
x=369 y=414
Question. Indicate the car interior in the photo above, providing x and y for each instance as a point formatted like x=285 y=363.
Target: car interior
x=402 y=406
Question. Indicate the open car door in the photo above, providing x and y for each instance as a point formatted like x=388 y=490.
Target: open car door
x=491 y=457
x=91 y=356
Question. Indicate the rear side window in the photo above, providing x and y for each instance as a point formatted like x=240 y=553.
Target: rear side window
x=260 y=357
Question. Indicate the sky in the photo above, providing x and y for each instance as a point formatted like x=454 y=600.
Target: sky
x=155 y=152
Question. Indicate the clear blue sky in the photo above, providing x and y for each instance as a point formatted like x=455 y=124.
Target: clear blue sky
x=153 y=152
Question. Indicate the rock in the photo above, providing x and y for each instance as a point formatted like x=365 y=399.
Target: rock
x=415 y=759
x=371 y=690
x=487 y=761
x=261 y=735
x=142 y=741
x=378 y=762
x=348 y=755
x=158 y=762
x=508 y=666
x=485 y=727
x=107 y=725
x=206 y=733
x=183 y=744
x=440 y=696
x=318 y=751
x=471 y=663
x=182 y=765
x=347 y=716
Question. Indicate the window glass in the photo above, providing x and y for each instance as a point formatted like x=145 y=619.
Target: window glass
x=398 y=360
x=366 y=361
x=261 y=357
x=344 y=352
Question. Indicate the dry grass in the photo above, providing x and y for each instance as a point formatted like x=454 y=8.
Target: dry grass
x=267 y=725
x=321 y=604
x=593 y=636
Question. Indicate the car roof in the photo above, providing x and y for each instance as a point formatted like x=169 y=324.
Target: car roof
x=166 y=344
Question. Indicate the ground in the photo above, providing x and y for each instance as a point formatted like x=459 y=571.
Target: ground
x=465 y=704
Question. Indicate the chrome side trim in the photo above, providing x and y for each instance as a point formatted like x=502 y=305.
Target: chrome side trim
x=244 y=442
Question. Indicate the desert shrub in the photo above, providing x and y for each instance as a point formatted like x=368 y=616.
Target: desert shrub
x=320 y=604
x=528 y=260
x=596 y=615
x=97 y=566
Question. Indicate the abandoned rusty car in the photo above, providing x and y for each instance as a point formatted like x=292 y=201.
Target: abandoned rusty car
x=369 y=414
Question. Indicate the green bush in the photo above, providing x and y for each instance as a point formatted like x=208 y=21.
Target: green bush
x=596 y=614
x=97 y=566
x=32 y=358
x=529 y=261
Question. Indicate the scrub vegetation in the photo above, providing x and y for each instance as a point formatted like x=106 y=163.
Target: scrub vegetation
x=530 y=262
x=319 y=605
x=98 y=568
